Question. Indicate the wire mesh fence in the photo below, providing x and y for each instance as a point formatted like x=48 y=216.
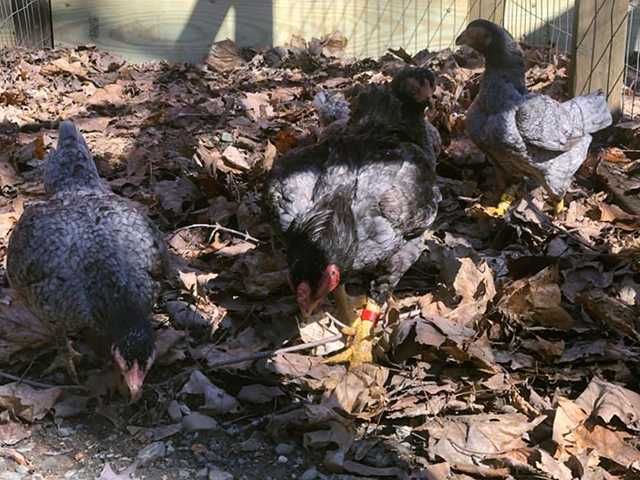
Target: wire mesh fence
x=542 y=23
x=631 y=87
x=25 y=23
x=373 y=26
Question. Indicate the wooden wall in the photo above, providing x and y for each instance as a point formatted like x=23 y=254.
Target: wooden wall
x=183 y=30
x=592 y=31
x=599 y=46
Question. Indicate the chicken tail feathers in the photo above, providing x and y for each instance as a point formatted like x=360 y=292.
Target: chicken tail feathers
x=69 y=136
x=590 y=112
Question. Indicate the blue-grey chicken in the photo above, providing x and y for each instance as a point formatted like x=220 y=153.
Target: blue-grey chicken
x=523 y=133
x=358 y=201
x=89 y=263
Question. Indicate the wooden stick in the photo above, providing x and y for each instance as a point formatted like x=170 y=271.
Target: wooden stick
x=271 y=353
x=218 y=228
x=33 y=383
x=477 y=470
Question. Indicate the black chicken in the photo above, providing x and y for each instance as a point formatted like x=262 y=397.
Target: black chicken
x=358 y=201
x=523 y=133
x=88 y=262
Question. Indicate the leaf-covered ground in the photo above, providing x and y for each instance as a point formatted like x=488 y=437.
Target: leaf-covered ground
x=511 y=349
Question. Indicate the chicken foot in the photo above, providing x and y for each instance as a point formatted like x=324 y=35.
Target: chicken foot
x=66 y=358
x=360 y=346
x=360 y=349
x=506 y=200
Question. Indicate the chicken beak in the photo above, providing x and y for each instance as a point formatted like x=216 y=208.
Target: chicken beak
x=134 y=378
x=462 y=39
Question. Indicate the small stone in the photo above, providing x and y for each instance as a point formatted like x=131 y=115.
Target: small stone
x=310 y=474
x=174 y=411
x=36 y=476
x=198 y=421
x=285 y=448
x=282 y=459
x=216 y=474
x=226 y=137
x=151 y=453
x=253 y=443
x=202 y=473
x=65 y=431
x=22 y=469
x=170 y=449
x=70 y=474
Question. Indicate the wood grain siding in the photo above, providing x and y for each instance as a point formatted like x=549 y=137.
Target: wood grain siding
x=184 y=30
x=599 y=62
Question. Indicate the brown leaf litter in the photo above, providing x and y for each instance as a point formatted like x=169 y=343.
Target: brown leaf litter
x=511 y=348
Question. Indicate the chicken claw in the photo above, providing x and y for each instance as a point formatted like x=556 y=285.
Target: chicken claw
x=506 y=200
x=360 y=349
x=66 y=358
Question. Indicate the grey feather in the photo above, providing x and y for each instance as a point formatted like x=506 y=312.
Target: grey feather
x=529 y=134
x=78 y=255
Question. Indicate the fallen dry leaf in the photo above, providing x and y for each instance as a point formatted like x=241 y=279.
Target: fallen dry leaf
x=216 y=400
x=258 y=394
x=224 y=56
x=536 y=301
x=574 y=434
x=257 y=106
x=361 y=389
x=109 y=474
x=469 y=438
x=611 y=312
x=607 y=400
x=26 y=402
x=13 y=432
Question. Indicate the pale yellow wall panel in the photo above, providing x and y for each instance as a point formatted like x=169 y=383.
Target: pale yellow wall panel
x=183 y=30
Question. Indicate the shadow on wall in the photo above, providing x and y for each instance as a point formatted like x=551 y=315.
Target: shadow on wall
x=539 y=28
x=176 y=31
x=248 y=22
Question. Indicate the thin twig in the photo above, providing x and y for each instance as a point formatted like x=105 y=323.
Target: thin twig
x=477 y=470
x=271 y=353
x=219 y=228
x=559 y=229
x=36 y=384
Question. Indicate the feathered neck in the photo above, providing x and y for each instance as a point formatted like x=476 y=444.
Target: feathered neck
x=325 y=235
x=504 y=57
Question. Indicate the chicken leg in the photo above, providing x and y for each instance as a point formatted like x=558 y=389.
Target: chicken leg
x=360 y=348
x=66 y=358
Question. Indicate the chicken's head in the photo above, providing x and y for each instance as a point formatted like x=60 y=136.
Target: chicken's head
x=485 y=37
x=414 y=85
x=320 y=248
x=312 y=291
x=134 y=354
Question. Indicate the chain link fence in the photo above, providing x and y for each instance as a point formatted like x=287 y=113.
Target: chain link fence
x=25 y=23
